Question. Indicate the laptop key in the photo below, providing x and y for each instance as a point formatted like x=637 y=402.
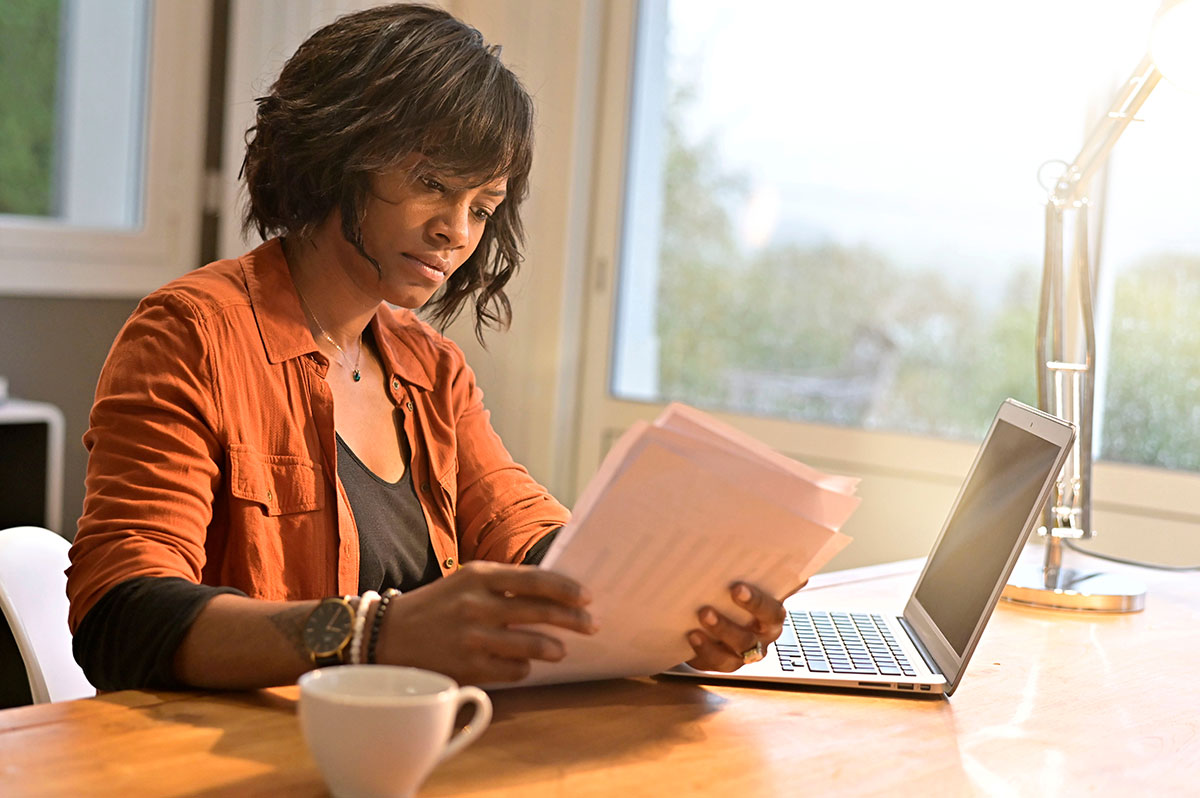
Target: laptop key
x=855 y=643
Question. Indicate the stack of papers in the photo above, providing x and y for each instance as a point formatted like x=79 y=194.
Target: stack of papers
x=679 y=511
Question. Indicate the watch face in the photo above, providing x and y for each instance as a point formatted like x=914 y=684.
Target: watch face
x=329 y=627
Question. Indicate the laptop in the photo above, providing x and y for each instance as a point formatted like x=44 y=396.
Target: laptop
x=925 y=650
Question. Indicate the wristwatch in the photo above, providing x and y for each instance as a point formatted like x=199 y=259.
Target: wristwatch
x=328 y=630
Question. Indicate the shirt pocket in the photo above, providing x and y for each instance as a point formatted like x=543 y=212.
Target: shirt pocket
x=448 y=482
x=280 y=484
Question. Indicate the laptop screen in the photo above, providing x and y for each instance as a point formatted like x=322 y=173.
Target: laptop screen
x=994 y=506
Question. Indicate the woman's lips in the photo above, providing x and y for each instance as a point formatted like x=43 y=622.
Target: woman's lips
x=433 y=269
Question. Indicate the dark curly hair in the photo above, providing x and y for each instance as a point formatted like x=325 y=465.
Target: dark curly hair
x=363 y=93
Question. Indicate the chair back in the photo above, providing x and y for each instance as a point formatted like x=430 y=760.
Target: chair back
x=33 y=595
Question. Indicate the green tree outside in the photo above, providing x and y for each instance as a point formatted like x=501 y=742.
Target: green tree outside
x=28 y=97
x=1153 y=395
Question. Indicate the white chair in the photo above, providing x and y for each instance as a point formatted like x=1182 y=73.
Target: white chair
x=33 y=595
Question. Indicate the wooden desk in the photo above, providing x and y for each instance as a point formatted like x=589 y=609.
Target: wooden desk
x=1052 y=704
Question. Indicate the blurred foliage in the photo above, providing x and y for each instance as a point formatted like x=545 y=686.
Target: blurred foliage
x=822 y=333
x=695 y=325
x=28 y=95
x=1153 y=394
x=839 y=335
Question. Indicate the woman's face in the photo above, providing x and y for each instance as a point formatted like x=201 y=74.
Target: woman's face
x=420 y=227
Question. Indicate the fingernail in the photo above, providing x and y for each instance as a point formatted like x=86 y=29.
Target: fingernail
x=696 y=639
x=742 y=593
x=709 y=617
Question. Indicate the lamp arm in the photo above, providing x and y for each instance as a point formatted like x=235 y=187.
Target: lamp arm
x=1072 y=185
x=1066 y=379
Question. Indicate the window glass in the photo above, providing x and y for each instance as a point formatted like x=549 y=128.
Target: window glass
x=1151 y=288
x=72 y=101
x=834 y=212
x=29 y=49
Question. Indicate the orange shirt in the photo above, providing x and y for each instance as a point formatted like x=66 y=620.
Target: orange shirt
x=212 y=453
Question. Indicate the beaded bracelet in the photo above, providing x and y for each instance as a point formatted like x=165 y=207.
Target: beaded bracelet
x=378 y=622
x=360 y=621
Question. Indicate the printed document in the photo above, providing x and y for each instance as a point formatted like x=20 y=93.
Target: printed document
x=679 y=511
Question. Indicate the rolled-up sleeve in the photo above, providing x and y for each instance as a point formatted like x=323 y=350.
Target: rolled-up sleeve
x=154 y=460
x=128 y=639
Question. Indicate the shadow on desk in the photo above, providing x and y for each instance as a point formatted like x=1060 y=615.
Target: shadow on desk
x=643 y=737
x=541 y=732
x=254 y=735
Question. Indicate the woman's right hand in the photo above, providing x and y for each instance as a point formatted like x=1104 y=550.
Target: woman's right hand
x=462 y=625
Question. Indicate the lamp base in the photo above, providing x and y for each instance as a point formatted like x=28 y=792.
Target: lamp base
x=1071 y=589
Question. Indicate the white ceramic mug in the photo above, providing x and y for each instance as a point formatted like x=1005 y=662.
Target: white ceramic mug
x=376 y=731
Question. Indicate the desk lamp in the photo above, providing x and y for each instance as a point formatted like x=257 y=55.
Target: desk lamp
x=1066 y=335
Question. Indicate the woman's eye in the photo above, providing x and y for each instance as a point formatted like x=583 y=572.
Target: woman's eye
x=432 y=184
x=483 y=214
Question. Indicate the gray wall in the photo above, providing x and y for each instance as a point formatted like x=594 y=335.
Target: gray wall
x=51 y=350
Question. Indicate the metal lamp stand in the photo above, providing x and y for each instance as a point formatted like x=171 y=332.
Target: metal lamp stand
x=1066 y=387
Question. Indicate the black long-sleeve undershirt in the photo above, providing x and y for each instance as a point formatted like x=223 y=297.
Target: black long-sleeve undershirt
x=129 y=637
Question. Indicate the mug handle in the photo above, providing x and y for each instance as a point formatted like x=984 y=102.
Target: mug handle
x=479 y=721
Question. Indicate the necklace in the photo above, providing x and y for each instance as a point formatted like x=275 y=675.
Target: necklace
x=354 y=372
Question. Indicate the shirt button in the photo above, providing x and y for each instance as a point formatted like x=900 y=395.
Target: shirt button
x=449 y=562
x=408 y=406
x=395 y=384
x=425 y=486
x=270 y=496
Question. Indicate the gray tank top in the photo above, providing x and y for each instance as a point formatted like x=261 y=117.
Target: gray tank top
x=394 y=549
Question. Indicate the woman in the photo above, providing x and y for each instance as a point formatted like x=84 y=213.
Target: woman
x=273 y=444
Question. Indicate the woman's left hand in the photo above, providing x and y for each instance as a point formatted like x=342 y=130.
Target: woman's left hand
x=722 y=645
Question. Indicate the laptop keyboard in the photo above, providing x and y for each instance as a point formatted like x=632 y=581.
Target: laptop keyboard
x=840 y=642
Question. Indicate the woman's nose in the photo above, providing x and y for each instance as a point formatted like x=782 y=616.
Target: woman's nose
x=452 y=226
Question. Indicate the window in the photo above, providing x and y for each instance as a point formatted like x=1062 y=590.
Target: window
x=100 y=144
x=824 y=222
x=74 y=152
x=1150 y=289
x=834 y=216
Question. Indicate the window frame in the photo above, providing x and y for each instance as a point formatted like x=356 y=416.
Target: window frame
x=47 y=257
x=1120 y=490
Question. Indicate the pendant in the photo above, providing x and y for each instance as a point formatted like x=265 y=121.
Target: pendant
x=357 y=376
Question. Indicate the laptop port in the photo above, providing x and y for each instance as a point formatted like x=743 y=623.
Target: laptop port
x=926 y=687
x=905 y=687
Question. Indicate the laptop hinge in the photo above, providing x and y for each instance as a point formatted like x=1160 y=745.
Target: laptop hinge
x=916 y=641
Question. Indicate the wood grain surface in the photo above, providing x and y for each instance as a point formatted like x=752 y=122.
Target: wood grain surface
x=1053 y=703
